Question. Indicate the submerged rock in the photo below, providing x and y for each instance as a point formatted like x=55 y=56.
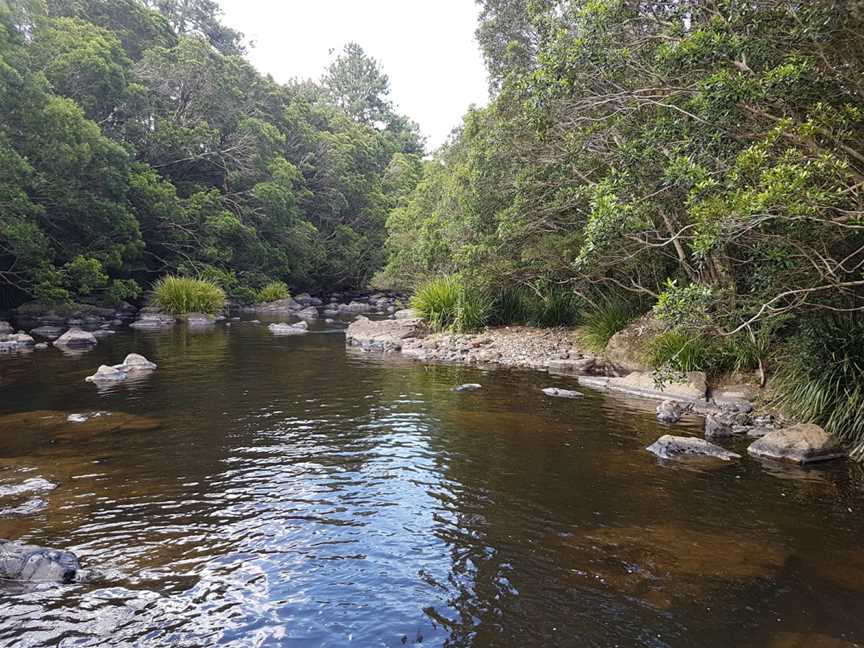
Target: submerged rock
x=288 y=329
x=467 y=387
x=802 y=443
x=676 y=447
x=555 y=392
x=22 y=562
x=154 y=321
x=27 y=427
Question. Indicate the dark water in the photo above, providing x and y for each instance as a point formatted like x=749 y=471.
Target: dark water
x=296 y=493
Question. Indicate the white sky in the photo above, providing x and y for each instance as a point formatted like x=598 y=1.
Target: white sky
x=426 y=48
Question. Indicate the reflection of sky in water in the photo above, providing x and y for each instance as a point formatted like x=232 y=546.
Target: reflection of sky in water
x=300 y=495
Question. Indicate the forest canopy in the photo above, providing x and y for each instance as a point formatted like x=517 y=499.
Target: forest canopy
x=136 y=141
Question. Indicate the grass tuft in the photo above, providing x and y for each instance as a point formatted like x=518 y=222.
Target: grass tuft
x=179 y=295
x=274 y=291
x=605 y=321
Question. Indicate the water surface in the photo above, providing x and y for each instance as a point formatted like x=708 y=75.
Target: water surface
x=292 y=492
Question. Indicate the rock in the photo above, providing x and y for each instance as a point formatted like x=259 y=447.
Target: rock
x=22 y=339
x=47 y=332
x=571 y=367
x=41 y=346
x=309 y=313
x=21 y=562
x=670 y=411
x=287 y=329
x=406 y=313
x=331 y=312
x=384 y=335
x=76 y=338
x=136 y=362
x=561 y=393
x=643 y=384
x=467 y=387
x=802 y=443
x=625 y=351
x=106 y=374
x=717 y=425
x=675 y=447
x=153 y=321
x=303 y=298
x=199 y=319
x=5 y=327
x=286 y=305
x=103 y=333
x=354 y=307
x=759 y=432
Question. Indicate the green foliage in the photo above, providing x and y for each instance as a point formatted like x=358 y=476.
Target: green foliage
x=682 y=351
x=274 y=291
x=437 y=302
x=180 y=295
x=822 y=378
x=604 y=321
x=552 y=306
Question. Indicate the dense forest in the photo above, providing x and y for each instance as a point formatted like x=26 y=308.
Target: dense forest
x=137 y=141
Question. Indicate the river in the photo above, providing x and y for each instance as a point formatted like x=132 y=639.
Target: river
x=287 y=491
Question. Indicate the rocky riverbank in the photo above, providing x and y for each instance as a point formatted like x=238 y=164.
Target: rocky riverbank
x=729 y=410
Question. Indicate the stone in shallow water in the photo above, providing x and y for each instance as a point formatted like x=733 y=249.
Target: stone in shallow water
x=106 y=374
x=137 y=362
x=287 y=329
x=561 y=393
x=77 y=339
x=676 y=447
x=467 y=387
x=22 y=562
x=21 y=433
x=802 y=443
x=670 y=411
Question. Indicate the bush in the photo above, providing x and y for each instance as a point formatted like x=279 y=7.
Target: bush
x=180 y=295
x=274 y=291
x=447 y=305
x=822 y=381
x=681 y=350
x=605 y=321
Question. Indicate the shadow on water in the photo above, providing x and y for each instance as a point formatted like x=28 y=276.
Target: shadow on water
x=285 y=491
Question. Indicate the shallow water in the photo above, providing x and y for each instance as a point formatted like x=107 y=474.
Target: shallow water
x=295 y=493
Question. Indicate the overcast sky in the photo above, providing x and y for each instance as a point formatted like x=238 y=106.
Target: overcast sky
x=426 y=48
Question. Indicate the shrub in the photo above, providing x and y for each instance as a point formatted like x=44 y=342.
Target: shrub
x=274 y=291
x=822 y=381
x=681 y=350
x=180 y=295
x=604 y=321
x=447 y=305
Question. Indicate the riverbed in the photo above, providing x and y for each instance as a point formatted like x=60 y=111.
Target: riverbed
x=290 y=491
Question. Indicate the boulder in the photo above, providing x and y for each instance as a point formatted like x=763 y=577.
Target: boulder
x=76 y=338
x=309 y=313
x=22 y=339
x=106 y=374
x=5 y=327
x=22 y=562
x=199 y=319
x=384 y=335
x=642 y=383
x=676 y=447
x=717 y=425
x=286 y=305
x=561 y=393
x=802 y=443
x=287 y=329
x=670 y=411
x=467 y=387
x=136 y=362
x=153 y=321
x=406 y=313
x=47 y=332
x=625 y=351
x=103 y=333
x=572 y=367
x=354 y=307
x=41 y=346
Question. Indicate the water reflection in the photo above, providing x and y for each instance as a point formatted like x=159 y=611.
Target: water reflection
x=292 y=493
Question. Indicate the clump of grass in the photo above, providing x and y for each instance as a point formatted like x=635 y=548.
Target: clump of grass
x=601 y=323
x=555 y=306
x=447 y=305
x=681 y=350
x=179 y=295
x=822 y=381
x=274 y=291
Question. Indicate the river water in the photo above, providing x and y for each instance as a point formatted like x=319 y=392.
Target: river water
x=287 y=491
